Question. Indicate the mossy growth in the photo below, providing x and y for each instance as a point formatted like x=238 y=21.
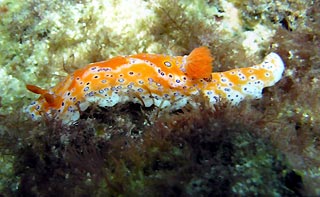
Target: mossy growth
x=300 y=104
x=194 y=151
x=179 y=26
x=291 y=14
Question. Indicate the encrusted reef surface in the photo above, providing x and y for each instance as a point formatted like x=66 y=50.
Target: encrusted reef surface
x=266 y=147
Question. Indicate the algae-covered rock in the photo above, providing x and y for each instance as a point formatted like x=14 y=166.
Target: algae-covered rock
x=131 y=149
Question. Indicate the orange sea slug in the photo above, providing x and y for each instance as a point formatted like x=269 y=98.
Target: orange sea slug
x=151 y=79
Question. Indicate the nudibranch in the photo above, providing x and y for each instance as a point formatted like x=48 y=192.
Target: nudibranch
x=152 y=79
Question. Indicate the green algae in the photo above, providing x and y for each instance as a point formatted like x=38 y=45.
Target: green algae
x=42 y=42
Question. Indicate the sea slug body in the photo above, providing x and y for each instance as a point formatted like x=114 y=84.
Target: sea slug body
x=151 y=79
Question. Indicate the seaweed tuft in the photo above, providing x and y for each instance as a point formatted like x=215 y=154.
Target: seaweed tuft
x=193 y=151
